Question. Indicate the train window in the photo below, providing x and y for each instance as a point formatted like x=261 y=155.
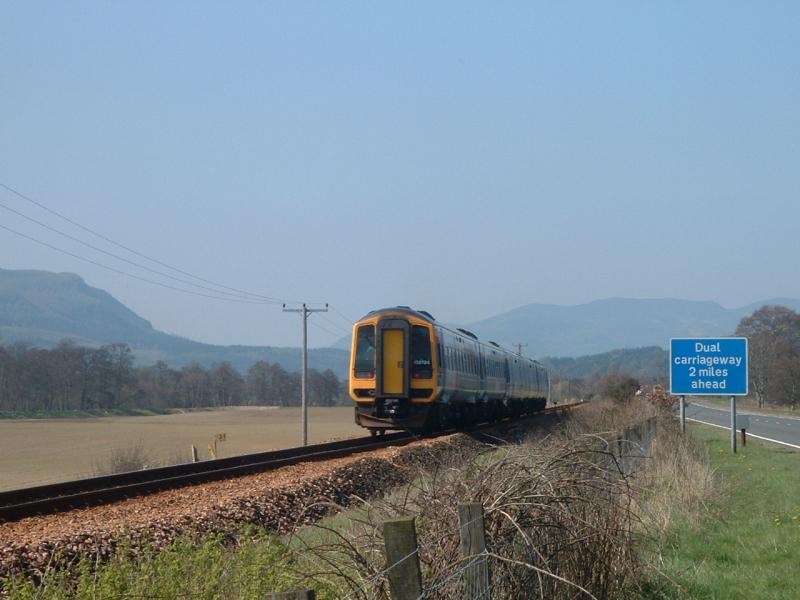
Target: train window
x=365 y=352
x=421 y=359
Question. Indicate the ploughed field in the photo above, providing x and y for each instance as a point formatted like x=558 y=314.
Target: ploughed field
x=37 y=451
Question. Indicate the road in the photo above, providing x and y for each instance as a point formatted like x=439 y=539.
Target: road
x=774 y=428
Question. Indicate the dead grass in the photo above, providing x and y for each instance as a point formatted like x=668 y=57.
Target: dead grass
x=36 y=451
x=680 y=480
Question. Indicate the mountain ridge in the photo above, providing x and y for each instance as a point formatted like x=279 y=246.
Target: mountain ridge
x=613 y=323
x=42 y=308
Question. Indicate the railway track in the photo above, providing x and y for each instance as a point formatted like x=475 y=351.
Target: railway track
x=57 y=497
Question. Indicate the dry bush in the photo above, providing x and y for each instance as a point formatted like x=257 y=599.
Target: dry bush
x=661 y=399
x=600 y=417
x=562 y=519
x=559 y=524
x=133 y=457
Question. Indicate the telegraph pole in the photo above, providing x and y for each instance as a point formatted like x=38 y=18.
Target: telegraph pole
x=520 y=347
x=304 y=311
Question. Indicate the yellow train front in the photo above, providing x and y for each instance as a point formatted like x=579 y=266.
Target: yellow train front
x=409 y=372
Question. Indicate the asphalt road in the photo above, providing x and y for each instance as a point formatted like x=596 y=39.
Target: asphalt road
x=781 y=429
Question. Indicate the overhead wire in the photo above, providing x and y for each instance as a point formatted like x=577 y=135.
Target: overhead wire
x=328 y=331
x=334 y=324
x=347 y=319
x=130 y=262
x=131 y=250
x=121 y=272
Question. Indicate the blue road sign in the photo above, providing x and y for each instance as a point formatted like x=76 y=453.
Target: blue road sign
x=708 y=367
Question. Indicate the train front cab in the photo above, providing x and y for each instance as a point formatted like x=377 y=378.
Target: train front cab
x=394 y=372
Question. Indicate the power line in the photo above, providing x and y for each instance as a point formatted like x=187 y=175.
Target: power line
x=335 y=325
x=123 y=259
x=347 y=319
x=121 y=272
x=328 y=331
x=131 y=250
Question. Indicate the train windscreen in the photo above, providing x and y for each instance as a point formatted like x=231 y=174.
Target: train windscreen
x=365 y=352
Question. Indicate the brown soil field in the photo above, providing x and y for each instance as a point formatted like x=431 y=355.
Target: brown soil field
x=36 y=451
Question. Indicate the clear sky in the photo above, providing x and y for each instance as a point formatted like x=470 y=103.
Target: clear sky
x=463 y=157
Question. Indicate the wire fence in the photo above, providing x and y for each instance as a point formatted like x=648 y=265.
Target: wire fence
x=411 y=574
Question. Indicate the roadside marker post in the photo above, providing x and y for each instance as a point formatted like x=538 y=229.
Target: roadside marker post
x=743 y=424
x=709 y=367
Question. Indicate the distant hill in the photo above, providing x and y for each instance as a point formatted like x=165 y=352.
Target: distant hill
x=42 y=308
x=604 y=325
x=646 y=364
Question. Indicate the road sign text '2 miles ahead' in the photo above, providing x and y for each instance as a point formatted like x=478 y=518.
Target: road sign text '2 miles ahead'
x=708 y=366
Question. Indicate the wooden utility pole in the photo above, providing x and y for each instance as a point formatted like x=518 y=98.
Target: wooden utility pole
x=304 y=311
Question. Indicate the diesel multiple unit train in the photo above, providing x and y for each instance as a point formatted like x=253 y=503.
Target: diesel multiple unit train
x=408 y=371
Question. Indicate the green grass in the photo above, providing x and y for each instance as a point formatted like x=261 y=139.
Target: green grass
x=749 y=545
x=243 y=564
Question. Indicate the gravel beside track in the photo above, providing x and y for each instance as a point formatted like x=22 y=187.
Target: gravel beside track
x=279 y=500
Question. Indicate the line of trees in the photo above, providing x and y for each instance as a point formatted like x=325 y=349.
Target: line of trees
x=773 y=334
x=73 y=377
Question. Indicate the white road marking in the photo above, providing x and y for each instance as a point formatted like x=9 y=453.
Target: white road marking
x=749 y=434
x=743 y=412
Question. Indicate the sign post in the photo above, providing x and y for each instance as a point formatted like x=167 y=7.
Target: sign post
x=708 y=367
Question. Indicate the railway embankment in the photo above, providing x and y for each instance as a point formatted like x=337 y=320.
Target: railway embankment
x=280 y=501
x=555 y=503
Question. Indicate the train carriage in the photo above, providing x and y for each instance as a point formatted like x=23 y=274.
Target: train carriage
x=407 y=371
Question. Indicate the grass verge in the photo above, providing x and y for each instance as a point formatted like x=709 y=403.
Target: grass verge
x=748 y=545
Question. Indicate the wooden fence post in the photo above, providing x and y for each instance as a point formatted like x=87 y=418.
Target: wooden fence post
x=296 y=595
x=402 y=559
x=194 y=453
x=473 y=544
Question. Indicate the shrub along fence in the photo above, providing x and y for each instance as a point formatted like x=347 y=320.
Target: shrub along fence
x=626 y=453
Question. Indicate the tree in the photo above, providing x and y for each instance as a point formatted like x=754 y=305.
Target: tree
x=619 y=387
x=226 y=385
x=259 y=383
x=773 y=333
x=323 y=388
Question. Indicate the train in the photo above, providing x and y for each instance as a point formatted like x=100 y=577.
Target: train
x=410 y=372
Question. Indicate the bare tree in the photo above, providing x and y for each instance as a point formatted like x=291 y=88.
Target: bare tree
x=773 y=334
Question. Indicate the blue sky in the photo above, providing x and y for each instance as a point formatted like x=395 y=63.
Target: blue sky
x=463 y=157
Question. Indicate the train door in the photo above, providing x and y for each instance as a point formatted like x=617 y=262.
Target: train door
x=394 y=349
x=393 y=363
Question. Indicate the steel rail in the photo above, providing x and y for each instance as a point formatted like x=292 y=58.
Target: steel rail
x=56 y=497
